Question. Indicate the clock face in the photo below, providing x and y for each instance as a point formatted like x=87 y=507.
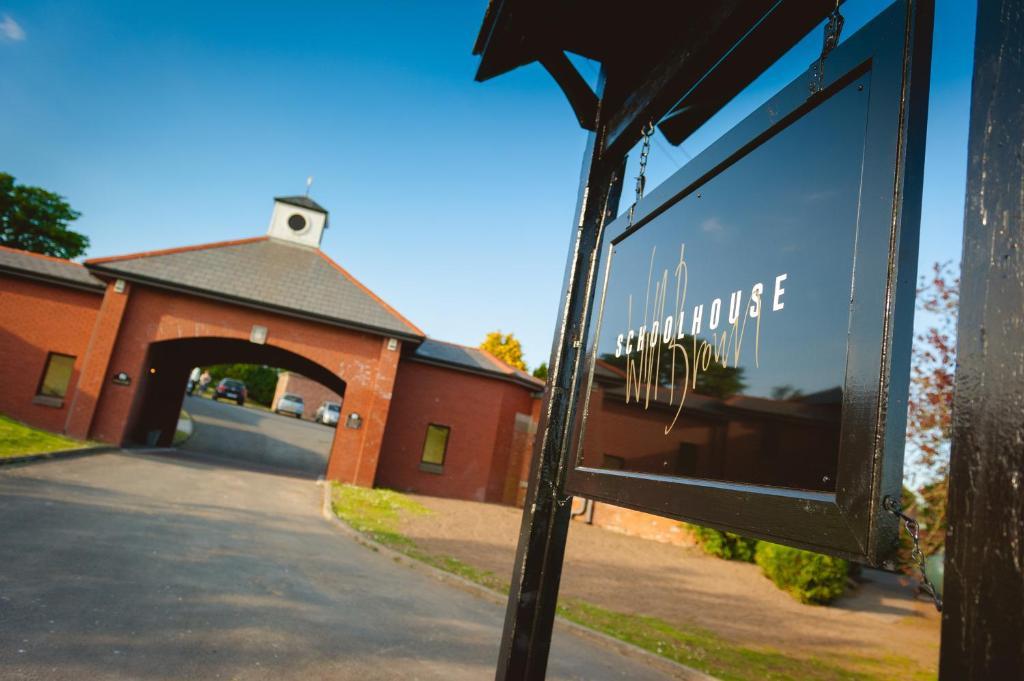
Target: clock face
x=297 y=222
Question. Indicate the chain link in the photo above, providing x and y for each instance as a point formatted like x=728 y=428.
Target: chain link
x=833 y=29
x=916 y=554
x=641 y=178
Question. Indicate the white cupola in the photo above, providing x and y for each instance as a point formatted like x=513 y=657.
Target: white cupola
x=298 y=219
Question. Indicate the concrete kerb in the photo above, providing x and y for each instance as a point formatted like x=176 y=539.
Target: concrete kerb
x=59 y=454
x=185 y=425
x=679 y=670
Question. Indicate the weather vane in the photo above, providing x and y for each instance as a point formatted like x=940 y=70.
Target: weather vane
x=309 y=183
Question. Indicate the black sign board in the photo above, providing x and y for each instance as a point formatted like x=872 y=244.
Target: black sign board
x=747 y=353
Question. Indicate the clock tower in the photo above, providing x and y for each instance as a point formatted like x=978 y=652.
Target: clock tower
x=299 y=220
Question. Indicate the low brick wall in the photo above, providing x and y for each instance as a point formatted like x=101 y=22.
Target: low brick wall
x=635 y=523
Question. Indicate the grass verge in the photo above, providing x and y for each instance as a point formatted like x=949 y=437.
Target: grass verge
x=18 y=439
x=376 y=513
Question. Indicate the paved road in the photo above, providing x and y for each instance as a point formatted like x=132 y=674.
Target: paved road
x=144 y=567
x=284 y=442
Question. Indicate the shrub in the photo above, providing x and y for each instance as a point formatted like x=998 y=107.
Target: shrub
x=809 y=577
x=724 y=544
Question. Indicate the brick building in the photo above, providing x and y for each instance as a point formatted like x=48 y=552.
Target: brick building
x=102 y=350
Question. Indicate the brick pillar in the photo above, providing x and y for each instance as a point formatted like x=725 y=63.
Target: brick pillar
x=355 y=452
x=97 y=359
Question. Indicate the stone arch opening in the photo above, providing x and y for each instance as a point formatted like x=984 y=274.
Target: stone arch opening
x=154 y=414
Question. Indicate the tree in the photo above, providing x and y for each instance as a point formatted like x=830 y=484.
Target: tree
x=930 y=413
x=260 y=381
x=33 y=219
x=505 y=347
x=715 y=381
x=541 y=372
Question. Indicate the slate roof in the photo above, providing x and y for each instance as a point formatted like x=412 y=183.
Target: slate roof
x=47 y=268
x=266 y=273
x=475 y=360
x=302 y=202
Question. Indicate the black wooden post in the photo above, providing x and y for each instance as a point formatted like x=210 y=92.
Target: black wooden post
x=537 y=572
x=982 y=632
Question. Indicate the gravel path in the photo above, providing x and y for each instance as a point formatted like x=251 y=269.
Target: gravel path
x=682 y=585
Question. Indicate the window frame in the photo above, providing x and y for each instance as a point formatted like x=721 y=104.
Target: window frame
x=53 y=400
x=429 y=466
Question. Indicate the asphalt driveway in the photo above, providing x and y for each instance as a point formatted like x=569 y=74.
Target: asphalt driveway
x=173 y=566
x=224 y=429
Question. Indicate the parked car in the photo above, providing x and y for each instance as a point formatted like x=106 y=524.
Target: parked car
x=230 y=389
x=290 y=404
x=328 y=413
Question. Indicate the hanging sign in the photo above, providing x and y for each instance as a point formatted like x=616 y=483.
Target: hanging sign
x=748 y=350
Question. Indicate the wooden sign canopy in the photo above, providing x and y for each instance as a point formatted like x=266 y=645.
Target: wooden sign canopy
x=747 y=356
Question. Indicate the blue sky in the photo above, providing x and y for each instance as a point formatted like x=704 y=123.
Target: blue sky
x=451 y=199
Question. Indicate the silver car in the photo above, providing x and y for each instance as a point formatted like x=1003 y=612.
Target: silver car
x=290 y=404
x=328 y=413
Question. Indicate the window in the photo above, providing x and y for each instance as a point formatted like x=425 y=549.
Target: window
x=434 y=448
x=56 y=378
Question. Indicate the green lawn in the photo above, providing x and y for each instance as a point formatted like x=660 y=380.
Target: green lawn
x=18 y=439
x=376 y=514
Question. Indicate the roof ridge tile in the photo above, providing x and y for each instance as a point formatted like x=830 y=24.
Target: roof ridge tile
x=172 y=251
x=41 y=256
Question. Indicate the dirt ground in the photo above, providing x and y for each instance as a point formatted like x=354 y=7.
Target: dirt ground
x=878 y=619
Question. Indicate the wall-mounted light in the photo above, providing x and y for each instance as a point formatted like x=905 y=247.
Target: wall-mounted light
x=354 y=420
x=258 y=334
x=392 y=344
x=119 y=286
x=152 y=370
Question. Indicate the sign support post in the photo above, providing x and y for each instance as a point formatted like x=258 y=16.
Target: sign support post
x=982 y=628
x=537 y=571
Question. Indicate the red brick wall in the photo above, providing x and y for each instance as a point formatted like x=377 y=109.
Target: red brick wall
x=360 y=359
x=94 y=369
x=524 y=439
x=636 y=523
x=35 y=319
x=481 y=414
x=312 y=393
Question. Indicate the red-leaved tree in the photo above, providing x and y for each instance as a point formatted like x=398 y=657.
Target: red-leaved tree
x=930 y=416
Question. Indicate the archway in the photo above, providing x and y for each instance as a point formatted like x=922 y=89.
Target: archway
x=154 y=415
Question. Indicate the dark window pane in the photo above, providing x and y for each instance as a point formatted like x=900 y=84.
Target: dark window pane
x=57 y=376
x=435 y=444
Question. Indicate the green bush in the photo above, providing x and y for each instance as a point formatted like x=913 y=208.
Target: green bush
x=809 y=577
x=724 y=544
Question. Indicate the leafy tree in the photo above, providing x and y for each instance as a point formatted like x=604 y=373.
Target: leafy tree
x=506 y=347
x=786 y=392
x=715 y=381
x=930 y=413
x=541 y=372
x=33 y=219
x=261 y=381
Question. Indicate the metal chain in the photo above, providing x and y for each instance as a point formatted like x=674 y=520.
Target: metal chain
x=641 y=178
x=916 y=554
x=833 y=29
